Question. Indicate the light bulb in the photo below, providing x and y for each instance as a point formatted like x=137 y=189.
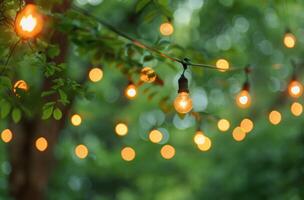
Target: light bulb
x=76 y=120
x=166 y=29
x=275 y=117
x=199 y=138
x=131 y=91
x=6 y=135
x=295 y=89
x=223 y=125
x=20 y=85
x=121 y=129
x=222 y=65
x=243 y=99
x=289 y=40
x=147 y=75
x=296 y=109
x=183 y=103
x=128 y=154
x=238 y=134
x=95 y=74
x=247 y=125
x=41 y=144
x=81 y=151
x=155 y=136
x=167 y=152
x=206 y=145
x=29 y=22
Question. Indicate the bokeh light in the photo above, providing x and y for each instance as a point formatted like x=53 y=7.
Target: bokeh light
x=76 y=120
x=155 y=136
x=183 y=103
x=166 y=29
x=41 y=144
x=238 y=134
x=247 y=125
x=131 y=91
x=223 y=125
x=243 y=99
x=147 y=75
x=206 y=145
x=128 y=154
x=95 y=74
x=199 y=138
x=275 y=117
x=21 y=85
x=222 y=65
x=81 y=151
x=289 y=40
x=295 y=89
x=6 y=135
x=296 y=109
x=121 y=129
x=167 y=152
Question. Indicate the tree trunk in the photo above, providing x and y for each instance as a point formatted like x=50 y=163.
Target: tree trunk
x=31 y=169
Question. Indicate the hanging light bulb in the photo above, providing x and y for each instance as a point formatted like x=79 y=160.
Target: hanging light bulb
x=289 y=40
x=95 y=74
x=147 y=75
x=166 y=29
x=183 y=102
x=243 y=99
x=222 y=65
x=20 y=85
x=295 y=89
x=131 y=91
x=199 y=138
x=29 y=22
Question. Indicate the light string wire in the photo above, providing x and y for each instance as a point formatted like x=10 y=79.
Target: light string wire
x=150 y=48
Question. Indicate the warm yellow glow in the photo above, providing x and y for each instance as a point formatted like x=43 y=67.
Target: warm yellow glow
x=20 y=85
x=76 y=120
x=41 y=144
x=295 y=89
x=199 y=138
x=147 y=75
x=243 y=99
x=81 y=151
x=238 y=134
x=183 y=103
x=296 y=109
x=247 y=125
x=95 y=74
x=155 y=136
x=275 y=117
x=6 y=135
x=131 y=91
x=223 y=125
x=206 y=145
x=128 y=154
x=166 y=29
x=167 y=152
x=222 y=65
x=121 y=129
x=29 y=22
x=289 y=40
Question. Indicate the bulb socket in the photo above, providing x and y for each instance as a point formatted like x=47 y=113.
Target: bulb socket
x=246 y=86
x=183 y=84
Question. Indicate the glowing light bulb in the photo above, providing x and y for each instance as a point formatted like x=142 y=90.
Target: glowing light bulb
x=238 y=134
x=296 y=109
x=155 y=136
x=128 y=154
x=167 y=152
x=199 y=138
x=246 y=125
x=41 y=144
x=121 y=129
x=223 y=125
x=81 y=151
x=222 y=65
x=20 y=85
x=6 y=135
x=147 y=75
x=29 y=22
x=76 y=120
x=183 y=103
x=243 y=99
x=206 y=145
x=295 y=89
x=275 y=117
x=95 y=74
x=289 y=40
x=166 y=29
x=131 y=91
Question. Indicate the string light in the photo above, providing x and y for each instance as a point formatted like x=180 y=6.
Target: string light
x=289 y=40
x=222 y=65
x=20 y=85
x=166 y=29
x=246 y=125
x=275 y=117
x=147 y=75
x=81 y=151
x=243 y=99
x=295 y=89
x=76 y=120
x=296 y=109
x=223 y=125
x=6 y=135
x=128 y=154
x=167 y=152
x=183 y=102
x=155 y=136
x=121 y=129
x=206 y=145
x=238 y=134
x=131 y=91
x=41 y=144
x=95 y=74
x=29 y=22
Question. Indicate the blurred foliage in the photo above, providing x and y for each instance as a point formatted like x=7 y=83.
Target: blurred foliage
x=269 y=164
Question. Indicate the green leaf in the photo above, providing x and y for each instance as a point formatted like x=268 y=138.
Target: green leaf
x=47 y=112
x=5 y=82
x=47 y=93
x=5 y=109
x=63 y=97
x=53 y=51
x=57 y=114
x=141 y=4
x=151 y=15
x=16 y=115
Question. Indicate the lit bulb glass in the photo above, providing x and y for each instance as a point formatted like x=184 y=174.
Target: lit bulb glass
x=41 y=144
x=223 y=125
x=206 y=145
x=81 y=151
x=76 y=120
x=20 y=85
x=222 y=65
x=296 y=109
x=166 y=29
x=243 y=99
x=247 y=125
x=238 y=134
x=183 y=103
x=147 y=75
x=275 y=117
x=29 y=22
x=199 y=138
x=289 y=40
x=155 y=136
x=6 y=135
x=131 y=91
x=128 y=154
x=121 y=129
x=167 y=152
x=95 y=74
x=295 y=89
